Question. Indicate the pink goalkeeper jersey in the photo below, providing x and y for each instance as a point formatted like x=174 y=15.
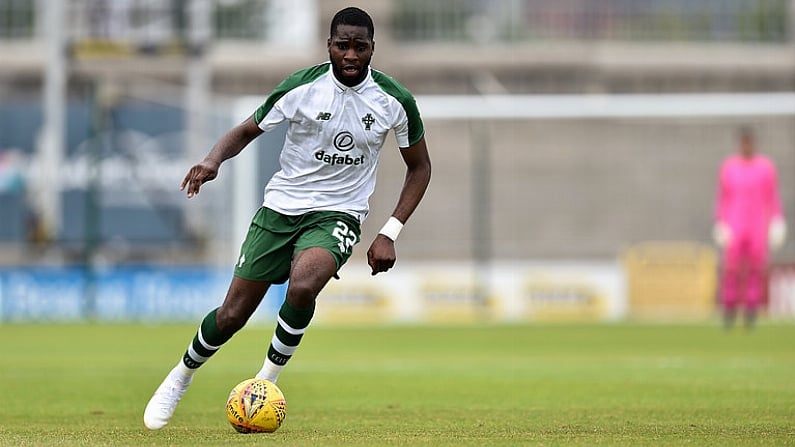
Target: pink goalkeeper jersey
x=748 y=194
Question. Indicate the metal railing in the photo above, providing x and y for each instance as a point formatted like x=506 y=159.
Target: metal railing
x=440 y=20
x=644 y=20
x=17 y=19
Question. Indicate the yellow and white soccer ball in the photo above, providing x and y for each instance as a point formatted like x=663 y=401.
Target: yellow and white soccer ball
x=256 y=406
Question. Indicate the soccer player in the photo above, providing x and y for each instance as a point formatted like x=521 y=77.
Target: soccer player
x=339 y=114
x=748 y=222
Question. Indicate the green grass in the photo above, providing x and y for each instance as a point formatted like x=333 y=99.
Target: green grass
x=548 y=385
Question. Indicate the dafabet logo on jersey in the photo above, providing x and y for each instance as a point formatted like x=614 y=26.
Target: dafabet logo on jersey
x=336 y=159
x=343 y=142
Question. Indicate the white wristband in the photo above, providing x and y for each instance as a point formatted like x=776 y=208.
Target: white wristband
x=391 y=228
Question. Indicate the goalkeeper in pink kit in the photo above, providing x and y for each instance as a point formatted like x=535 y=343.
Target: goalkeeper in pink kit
x=749 y=221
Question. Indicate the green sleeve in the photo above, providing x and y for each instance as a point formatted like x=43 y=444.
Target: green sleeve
x=297 y=79
x=406 y=99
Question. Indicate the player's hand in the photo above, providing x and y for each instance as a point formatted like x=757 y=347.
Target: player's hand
x=381 y=255
x=776 y=233
x=198 y=175
x=722 y=234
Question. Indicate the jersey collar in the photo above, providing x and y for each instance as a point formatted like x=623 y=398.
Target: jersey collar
x=357 y=88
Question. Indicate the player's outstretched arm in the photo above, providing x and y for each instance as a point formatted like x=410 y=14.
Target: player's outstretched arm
x=381 y=255
x=230 y=144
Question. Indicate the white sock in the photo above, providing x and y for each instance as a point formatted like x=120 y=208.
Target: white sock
x=270 y=371
x=184 y=371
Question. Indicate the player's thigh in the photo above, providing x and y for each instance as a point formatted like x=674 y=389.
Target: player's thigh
x=335 y=232
x=268 y=249
x=735 y=253
x=312 y=269
x=758 y=251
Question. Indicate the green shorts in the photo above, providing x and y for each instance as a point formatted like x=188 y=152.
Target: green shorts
x=274 y=238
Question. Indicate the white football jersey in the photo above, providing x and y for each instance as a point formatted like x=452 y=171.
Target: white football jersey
x=334 y=138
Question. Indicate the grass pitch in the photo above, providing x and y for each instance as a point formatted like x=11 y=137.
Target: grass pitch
x=582 y=385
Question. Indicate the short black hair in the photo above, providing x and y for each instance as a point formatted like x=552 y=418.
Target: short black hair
x=352 y=16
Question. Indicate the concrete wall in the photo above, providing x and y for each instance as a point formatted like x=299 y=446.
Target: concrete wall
x=574 y=188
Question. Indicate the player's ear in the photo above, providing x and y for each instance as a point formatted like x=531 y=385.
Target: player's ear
x=373 y=45
x=328 y=43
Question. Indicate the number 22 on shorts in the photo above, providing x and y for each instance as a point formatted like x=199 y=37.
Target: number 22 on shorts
x=347 y=238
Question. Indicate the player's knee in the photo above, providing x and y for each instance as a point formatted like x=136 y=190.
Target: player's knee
x=230 y=320
x=301 y=296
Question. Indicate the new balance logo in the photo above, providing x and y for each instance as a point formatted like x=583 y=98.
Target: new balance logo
x=241 y=261
x=323 y=116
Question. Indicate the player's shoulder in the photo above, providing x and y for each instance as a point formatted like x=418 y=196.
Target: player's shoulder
x=767 y=161
x=289 y=90
x=729 y=161
x=391 y=86
x=304 y=76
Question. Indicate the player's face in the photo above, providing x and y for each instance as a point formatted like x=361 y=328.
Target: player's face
x=747 y=148
x=350 y=49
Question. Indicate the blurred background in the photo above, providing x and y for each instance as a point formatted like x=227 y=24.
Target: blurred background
x=575 y=145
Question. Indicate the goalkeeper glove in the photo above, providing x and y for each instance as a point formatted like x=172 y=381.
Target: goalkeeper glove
x=776 y=233
x=722 y=234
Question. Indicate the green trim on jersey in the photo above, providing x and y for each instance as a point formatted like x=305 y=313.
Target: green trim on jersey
x=404 y=97
x=297 y=79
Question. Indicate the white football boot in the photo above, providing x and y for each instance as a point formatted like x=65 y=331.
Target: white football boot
x=163 y=403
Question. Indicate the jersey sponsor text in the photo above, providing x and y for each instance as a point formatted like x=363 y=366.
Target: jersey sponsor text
x=335 y=159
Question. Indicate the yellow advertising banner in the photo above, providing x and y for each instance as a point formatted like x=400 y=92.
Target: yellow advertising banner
x=671 y=280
